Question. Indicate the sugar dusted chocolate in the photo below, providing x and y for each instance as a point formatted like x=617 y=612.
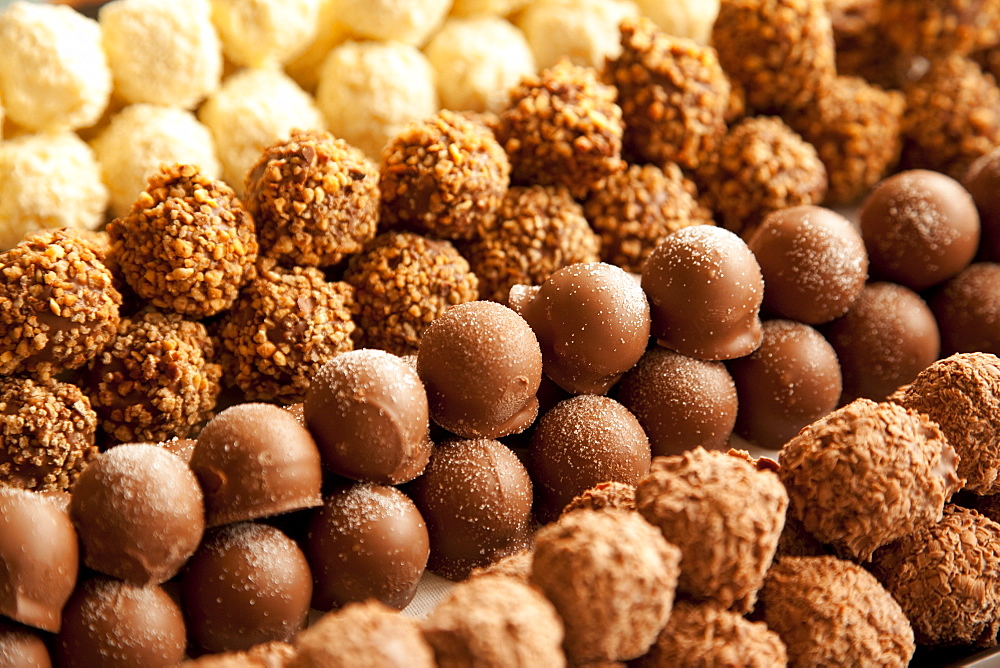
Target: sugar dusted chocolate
x=967 y=309
x=23 y=646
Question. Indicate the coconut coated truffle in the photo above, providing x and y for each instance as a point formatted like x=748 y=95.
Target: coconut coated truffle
x=967 y=309
x=406 y=22
x=264 y=33
x=684 y=18
x=608 y=495
x=585 y=31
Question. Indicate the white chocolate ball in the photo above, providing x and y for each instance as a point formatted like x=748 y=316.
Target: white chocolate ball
x=491 y=7
x=585 y=31
x=407 y=21
x=682 y=18
x=330 y=32
x=259 y=33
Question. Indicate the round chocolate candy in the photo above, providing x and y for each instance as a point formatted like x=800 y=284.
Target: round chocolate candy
x=982 y=180
x=22 y=646
x=705 y=291
x=139 y=512
x=968 y=310
x=254 y=460
x=367 y=410
x=367 y=541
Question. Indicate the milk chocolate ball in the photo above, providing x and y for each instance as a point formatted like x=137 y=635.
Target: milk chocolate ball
x=982 y=180
x=967 y=309
x=22 y=646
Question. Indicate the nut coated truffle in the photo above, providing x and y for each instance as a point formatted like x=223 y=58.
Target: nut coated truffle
x=612 y=578
x=481 y=366
x=833 y=612
x=723 y=514
x=896 y=462
x=967 y=309
x=940 y=27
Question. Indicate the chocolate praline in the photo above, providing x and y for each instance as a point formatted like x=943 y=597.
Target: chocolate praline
x=21 y=646
x=967 y=309
x=982 y=180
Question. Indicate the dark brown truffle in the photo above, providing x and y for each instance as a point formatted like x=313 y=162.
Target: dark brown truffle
x=442 y=176
x=403 y=281
x=967 y=309
x=247 y=584
x=481 y=366
x=609 y=495
x=939 y=28
x=366 y=542
x=314 y=197
x=982 y=180
x=476 y=499
x=187 y=245
x=21 y=646
x=256 y=460
x=705 y=290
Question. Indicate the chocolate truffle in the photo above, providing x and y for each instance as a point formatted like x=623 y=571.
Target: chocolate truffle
x=897 y=464
x=833 y=612
x=256 y=460
x=47 y=433
x=612 y=578
x=940 y=27
x=920 y=228
x=946 y=579
x=610 y=495
x=475 y=497
x=723 y=514
x=58 y=307
x=314 y=198
x=885 y=339
x=792 y=379
x=481 y=366
x=982 y=180
x=813 y=261
x=39 y=558
x=22 y=646
x=680 y=401
x=967 y=309
x=495 y=621
x=592 y=323
x=961 y=393
x=366 y=541
x=139 y=513
x=705 y=290
x=187 y=245
x=579 y=443
x=516 y=565
x=247 y=584
x=403 y=281
x=274 y=654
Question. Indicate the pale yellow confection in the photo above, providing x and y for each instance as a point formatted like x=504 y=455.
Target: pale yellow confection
x=330 y=32
x=140 y=138
x=48 y=181
x=369 y=91
x=252 y=110
x=165 y=53
x=477 y=61
x=495 y=7
x=258 y=33
x=585 y=31
x=53 y=71
x=407 y=21
x=682 y=18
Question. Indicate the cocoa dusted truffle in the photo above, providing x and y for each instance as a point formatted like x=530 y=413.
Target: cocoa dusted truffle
x=442 y=176
x=155 y=380
x=187 y=245
x=938 y=28
x=612 y=578
x=40 y=558
x=403 y=281
x=285 y=325
x=23 y=646
x=481 y=366
x=673 y=94
x=723 y=514
x=967 y=309
x=961 y=393
x=833 y=612
x=476 y=499
x=58 y=306
x=47 y=433
x=699 y=266
x=982 y=180
x=536 y=231
x=609 y=495
x=495 y=621
x=314 y=198
x=562 y=127
x=897 y=464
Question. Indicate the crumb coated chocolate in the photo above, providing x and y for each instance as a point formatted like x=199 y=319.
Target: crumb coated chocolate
x=47 y=433
x=609 y=495
x=187 y=245
x=403 y=281
x=723 y=514
x=673 y=94
x=314 y=198
x=155 y=380
x=703 y=634
x=562 y=127
x=441 y=176
x=897 y=463
x=22 y=646
x=781 y=51
x=612 y=577
x=961 y=393
x=762 y=166
x=829 y=611
x=982 y=180
x=923 y=571
x=938 y=28
x=634 y=210
x=285 y=325
x=537 y=230
x=495 y=621
x=58 y=306
x=515 y=565
x=274 y=654
x=967 y=309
